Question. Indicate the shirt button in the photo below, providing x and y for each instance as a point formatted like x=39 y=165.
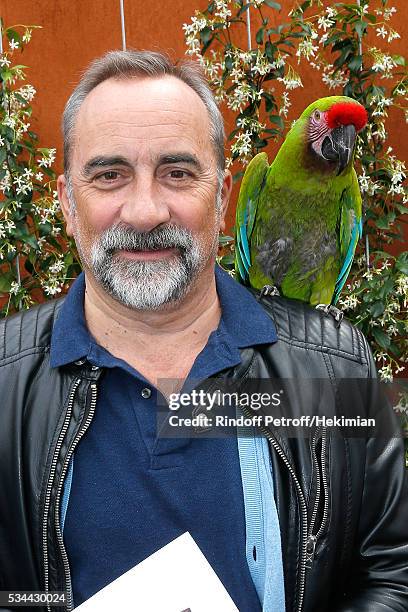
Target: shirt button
x=146 y=393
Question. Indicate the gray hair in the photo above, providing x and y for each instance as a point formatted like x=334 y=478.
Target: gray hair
x=127 y=64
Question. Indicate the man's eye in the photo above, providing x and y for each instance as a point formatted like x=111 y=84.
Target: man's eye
x=178 y=174
x=110 y=175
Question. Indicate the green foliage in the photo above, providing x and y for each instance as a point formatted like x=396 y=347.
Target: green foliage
x=36 y=257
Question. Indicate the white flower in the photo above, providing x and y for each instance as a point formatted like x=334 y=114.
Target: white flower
x=14 y=44
x=39 y=176
x=388 y=12
x=56 y=267
x=27 y=36
x=349 y=302
x=286 y=103
x=52 y=287
x=27 y=92
x=392 y=35
x=14 y=288
x=325 y=23
x=331 y=12
x=386 y=373
x=28 y=173
x=333 y=80
x=382 y=63
x=1 y=142
x=9 y=225
x=382 y=32
x=306 y=48
x=222 y=10
x=291 y=80
x=4 y=61
x=242 y=144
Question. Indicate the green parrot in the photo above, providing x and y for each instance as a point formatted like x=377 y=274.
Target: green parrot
x=298 y=220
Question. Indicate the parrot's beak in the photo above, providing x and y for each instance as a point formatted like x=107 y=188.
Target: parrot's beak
x=339 y=146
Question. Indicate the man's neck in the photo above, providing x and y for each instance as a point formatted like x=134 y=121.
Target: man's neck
x=159 y=344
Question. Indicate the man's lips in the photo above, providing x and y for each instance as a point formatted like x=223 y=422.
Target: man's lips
x=147 y=255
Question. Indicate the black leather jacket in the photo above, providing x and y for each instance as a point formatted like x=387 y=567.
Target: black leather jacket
x=348 y=553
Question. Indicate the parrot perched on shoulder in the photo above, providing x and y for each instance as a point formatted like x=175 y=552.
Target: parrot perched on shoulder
x=299 y=219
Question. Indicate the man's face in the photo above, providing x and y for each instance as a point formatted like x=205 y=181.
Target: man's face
x=145 y=186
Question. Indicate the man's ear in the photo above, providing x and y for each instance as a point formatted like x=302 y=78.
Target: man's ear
x=65 y=204
x=225 y=196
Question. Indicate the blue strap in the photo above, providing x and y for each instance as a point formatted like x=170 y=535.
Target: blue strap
x=263 y=541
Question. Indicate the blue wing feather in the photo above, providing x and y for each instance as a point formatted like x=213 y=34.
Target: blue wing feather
x=356 y=234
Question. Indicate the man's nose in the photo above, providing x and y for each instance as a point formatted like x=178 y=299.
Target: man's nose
x=144 y=208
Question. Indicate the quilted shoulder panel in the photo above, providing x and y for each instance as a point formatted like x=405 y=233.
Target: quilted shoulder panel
x=301 y=324
x=28 y=330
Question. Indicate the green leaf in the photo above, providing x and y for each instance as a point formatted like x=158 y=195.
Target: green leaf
x=395 y=350
x=360 y=27
x=356 y=63
x=401 y=263
x=270 y=50
x=277 y=120
x=227 y=261
x=13 y=35
x=260 y=35
x=385 y=221
x=381 y=337
x=270 y=103
x=6 y=278
x=399 y=59
x=371 y=18
x=223 y=240
x=206 y=35
x=377 y=309
x=274 y=5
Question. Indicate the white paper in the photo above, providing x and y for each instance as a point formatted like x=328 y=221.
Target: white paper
x=176 y=578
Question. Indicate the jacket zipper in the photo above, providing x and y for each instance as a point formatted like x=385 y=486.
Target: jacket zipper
x=51 y=480
x=325 y=486
x=63 y=552
x=303 y=506
x=81 y=432
x=312 y=538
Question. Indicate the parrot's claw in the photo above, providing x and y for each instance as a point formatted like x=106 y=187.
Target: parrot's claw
x=270 y=290
x=332 y=311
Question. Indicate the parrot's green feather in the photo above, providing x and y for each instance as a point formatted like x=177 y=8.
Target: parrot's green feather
x=251 y=188
x=297 y=224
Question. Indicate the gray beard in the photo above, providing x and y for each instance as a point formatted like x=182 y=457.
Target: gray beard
x=146 y=285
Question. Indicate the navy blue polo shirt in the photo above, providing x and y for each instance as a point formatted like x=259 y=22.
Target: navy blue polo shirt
x=133 y=493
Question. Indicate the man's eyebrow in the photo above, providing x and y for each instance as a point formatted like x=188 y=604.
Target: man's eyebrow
x=104 y=162
x=177 y=158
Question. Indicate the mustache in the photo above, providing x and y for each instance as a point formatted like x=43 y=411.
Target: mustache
x=170 y=236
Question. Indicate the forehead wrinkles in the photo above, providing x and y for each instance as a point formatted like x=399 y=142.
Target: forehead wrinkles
x=143 y=109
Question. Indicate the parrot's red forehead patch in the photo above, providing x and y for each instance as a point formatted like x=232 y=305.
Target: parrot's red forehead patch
x=347 y=113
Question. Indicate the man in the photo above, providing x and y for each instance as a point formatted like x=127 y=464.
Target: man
x=87 y=487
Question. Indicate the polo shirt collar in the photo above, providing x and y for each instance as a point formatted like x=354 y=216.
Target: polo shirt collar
x=243 y=323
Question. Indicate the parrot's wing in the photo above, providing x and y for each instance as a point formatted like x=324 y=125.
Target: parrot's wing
x=251 y=188
x=350 y=232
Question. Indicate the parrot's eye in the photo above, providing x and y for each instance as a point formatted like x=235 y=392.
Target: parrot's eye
x=317 y=114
